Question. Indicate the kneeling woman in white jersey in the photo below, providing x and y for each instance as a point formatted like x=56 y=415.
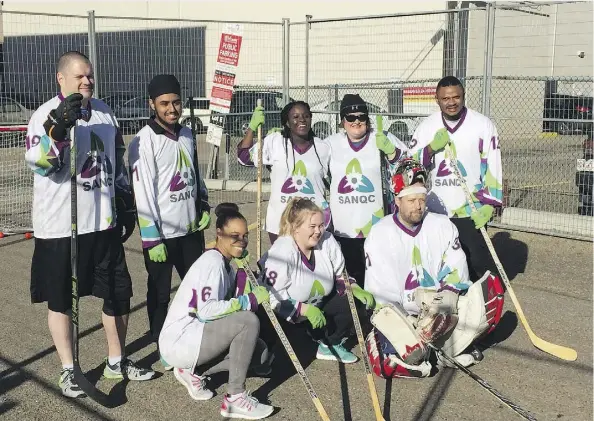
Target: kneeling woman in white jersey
x=298 y=161
x=416 y=266
x=211 y=322
x=303 y=272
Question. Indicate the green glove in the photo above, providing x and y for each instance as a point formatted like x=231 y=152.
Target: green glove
x=440 y=140
x=482 y=216
x=204 y=221
x=315 y=316
x=363 y=296
x=381 y=140
x=158 y=253
x=275 y=130
x=245 y=257
x=257 y=119
x=261 y=294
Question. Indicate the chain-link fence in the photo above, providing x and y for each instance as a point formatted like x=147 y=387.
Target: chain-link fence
x=521 y=65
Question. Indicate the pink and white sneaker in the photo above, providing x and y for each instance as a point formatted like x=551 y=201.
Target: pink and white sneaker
x=196 y=385
x=244 y=406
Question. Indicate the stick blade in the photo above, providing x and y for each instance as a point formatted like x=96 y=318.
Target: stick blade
x=90 y=390
x=559 y=351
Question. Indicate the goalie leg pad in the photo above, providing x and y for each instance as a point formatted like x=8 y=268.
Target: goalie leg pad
x=477 y=315
x=495 y=293
x=389 y=365
x=393 y=323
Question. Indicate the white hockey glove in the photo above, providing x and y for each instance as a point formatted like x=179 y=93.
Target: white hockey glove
x=438 y=313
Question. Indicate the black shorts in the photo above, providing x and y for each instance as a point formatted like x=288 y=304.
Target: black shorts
x=102 y=270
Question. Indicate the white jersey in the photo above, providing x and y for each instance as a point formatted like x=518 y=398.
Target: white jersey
x=476 y=143
x=292 y=279
x=99 y=147
x=208 y=292
x=399 y=260
x=356 y=191
x=165 y=183
x=295 y=173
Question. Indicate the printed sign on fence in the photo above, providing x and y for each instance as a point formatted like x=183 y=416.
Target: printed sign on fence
x=224 y=80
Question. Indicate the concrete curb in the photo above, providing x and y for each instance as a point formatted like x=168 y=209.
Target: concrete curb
x=548 y=221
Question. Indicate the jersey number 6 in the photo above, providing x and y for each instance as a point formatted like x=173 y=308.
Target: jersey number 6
x=206 y=293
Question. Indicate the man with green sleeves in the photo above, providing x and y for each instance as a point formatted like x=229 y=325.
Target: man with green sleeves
x=470 y=137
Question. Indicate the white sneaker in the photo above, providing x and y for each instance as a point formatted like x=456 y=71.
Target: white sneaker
x=246 y=407
x=68 y=384
x=196 y=385
x=465 y=360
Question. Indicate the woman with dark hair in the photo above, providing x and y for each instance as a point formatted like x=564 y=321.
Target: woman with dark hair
x=211 y=325
x=356 y=159
x=297 y=160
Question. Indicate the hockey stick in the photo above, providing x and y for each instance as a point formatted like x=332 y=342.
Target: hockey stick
x=285 y=341
x=86 y=386
x=259 y=191
x=383 y=170
x=521 y=412
x=361 y=340
x=558 y=351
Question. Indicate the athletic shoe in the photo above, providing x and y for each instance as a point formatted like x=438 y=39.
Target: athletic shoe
x=465 y=360
x=166 y=366
x=68 y=384
x=336 y=353
x=196 y=385
x=245 y=407
x=127 y=369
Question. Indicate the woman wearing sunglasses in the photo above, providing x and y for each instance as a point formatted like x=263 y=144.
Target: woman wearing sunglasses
x=297 y=160
x=211 y=325
x=356 y=198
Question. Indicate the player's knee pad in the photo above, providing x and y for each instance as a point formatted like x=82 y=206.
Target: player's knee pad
x=116 y=307
x=389 y=365
x=479 y=311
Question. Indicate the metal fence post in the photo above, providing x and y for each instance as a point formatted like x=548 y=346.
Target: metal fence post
x=286 y=56
x=93 y=51
x=306 y=82
x=488 y=64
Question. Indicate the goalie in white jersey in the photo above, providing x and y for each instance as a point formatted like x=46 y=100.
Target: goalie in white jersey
x=472 y=138
x=417 y=270
x=298 y=161
x=356 y=160
x=171 y=198
x=211 y=325
x=303 y=271
x=103 y=204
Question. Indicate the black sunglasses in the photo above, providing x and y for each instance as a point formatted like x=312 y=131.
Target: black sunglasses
x=351 y=118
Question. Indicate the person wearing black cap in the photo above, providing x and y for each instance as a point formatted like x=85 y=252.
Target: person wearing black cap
x=168 y=192
x=356 y=158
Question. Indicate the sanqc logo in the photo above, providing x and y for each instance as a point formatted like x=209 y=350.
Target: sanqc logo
x=298 y=181
x=355 y=181
x=183 y=178
x=97 y=166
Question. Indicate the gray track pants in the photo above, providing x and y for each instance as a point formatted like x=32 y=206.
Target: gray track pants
x=228 y=344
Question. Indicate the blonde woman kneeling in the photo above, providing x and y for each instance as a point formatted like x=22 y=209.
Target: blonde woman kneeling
x=303 y=273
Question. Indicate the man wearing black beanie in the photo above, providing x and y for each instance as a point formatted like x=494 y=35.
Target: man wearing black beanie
x=171 y=198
